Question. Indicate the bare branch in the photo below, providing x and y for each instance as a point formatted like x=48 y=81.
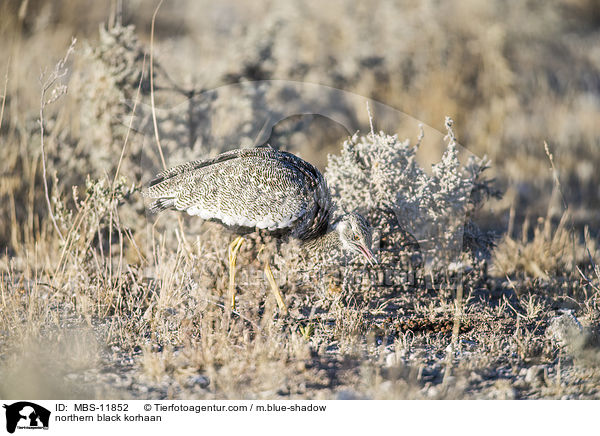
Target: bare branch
x=4 y=92
x=49 y=85
x=162 y=158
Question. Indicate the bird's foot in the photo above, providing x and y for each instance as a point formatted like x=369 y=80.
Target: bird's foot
x=232 y=254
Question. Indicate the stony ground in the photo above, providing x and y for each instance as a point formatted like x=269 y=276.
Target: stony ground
x=402 y=345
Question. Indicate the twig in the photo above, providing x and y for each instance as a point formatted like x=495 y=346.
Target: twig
x=593 y=264
x=519 y=315
x=162 y=158
x=74 y=227
x=564 y=201
x=137 y=96
x=59 y=72
x=112 y=218
x=4 y=93
x=449 y=124
x=236 y=312
x=511 y=220
x=154 y=122
x=555 y=175
x=420 y=136
x=370 y=121
x=457 y=314
x=587 y=279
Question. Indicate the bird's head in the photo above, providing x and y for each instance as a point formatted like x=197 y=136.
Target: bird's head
x=355 y=235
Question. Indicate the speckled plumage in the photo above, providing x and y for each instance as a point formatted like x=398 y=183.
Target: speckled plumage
x=260 y=188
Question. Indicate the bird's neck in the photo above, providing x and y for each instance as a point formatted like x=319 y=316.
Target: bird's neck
x=327 y=243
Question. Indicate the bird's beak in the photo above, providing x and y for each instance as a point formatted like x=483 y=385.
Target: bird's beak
x=368 y=254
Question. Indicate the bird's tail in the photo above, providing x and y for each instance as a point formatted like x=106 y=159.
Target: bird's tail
x=161 y=204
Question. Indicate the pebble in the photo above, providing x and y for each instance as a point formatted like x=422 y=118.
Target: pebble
x=564 y=328
x=391 y=360
x=536 y=375
x=349 y=395
x=197 y=380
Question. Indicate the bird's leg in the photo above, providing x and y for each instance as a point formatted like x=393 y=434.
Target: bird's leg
x=273 y=284
x=275 y=288
x=233 y=250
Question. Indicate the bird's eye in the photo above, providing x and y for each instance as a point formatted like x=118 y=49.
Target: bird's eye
x=356 y=237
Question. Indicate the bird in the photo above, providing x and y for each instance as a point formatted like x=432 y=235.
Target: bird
x=265 y=189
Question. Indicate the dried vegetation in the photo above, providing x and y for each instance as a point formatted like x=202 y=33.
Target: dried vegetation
x=476 y=295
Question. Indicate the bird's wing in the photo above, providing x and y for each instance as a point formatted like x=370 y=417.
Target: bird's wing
x=259 y=188
x=161 y=183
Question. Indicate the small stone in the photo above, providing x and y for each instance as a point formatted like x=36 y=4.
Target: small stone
x=347 y=394
x=564 y=328
x=386 y=386
x=535 y=375
x=391 y=360
x=475 y=377
x=521 y=384
x=198 y=380
x=503 y=390
x=432 y=392
x=450 y=380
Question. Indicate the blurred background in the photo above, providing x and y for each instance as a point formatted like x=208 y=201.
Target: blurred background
x=511 y=75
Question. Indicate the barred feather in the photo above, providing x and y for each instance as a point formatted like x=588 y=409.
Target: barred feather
x=261 y=187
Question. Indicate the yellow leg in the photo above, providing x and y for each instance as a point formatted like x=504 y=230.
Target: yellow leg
x=233 y=250
x=275 y=289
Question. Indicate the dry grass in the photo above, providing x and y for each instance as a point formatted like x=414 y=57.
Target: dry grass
x=123 y=306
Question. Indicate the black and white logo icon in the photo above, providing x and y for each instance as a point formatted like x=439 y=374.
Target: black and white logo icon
x=26 y=415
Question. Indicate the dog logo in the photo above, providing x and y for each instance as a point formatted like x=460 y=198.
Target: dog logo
x=26 y=415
